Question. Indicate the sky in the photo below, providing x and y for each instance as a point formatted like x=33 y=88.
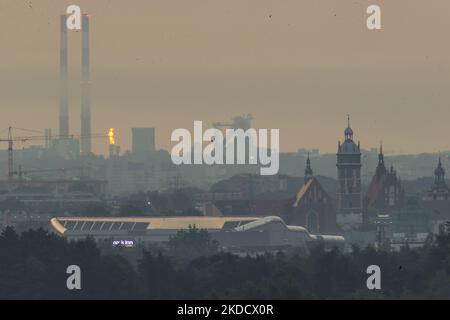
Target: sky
x=297 y=65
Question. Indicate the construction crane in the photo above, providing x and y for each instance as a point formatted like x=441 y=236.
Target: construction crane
x=20 y=173
x=12 y=139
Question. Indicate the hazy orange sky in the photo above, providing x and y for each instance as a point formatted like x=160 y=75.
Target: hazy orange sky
x=300 y=66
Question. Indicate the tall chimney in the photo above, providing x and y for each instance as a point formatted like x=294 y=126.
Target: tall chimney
x=63 y=93
x=48 y=138
x=85 y=89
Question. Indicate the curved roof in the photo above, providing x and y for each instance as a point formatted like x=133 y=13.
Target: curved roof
x=348 y=131
x=61 y=224
x=260 y=223
x=348 y=146
x=328 y=238
x=86 y=225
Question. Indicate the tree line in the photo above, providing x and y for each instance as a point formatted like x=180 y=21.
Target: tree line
x=33 y=266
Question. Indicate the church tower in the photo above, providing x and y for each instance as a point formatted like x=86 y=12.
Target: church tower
x=308 y=170
x=439 y=190
x=349 y=196
x=381 y=168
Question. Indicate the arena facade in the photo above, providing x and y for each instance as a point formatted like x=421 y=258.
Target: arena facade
x=233 y=233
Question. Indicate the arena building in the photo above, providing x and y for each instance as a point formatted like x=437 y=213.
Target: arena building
x=233 y=233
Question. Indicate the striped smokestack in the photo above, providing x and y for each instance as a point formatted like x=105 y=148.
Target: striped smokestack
x=63 y=94
x=85 y=89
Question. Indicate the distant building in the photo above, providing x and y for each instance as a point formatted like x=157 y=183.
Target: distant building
x=250 y=185
x=143 y=142
x=385 y=191
x=241 y=234
x=312 y=207
x=40 y=195
x=126 y=177
x=439 y=190
x=246 y=194
x=312 y=152
x=67 y=148
x=437 y=200
x=349 y=196
x=407 y=227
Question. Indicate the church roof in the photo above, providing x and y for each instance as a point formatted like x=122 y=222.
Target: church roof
x=348 y=146
x=302 y=191
x=375 y=187
x=379 y=180
x=305 y=188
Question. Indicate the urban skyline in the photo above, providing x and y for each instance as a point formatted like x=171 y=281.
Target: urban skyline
x=224 y=150
x=175 y=73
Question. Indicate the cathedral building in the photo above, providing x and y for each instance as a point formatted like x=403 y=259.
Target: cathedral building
x=349 y=196
x=385 y=191
x=312 y=207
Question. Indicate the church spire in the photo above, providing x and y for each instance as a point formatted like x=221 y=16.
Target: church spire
x=439 y=174
x=348 y=133
x=381 y=168
x=439 y=190
x=308 y=170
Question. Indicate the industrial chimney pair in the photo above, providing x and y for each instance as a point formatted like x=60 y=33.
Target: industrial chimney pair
x=85 y=139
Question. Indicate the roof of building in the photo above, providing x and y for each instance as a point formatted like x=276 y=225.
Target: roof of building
x=62 y=224
x=374 y=189
x=380 y=179
x=262 y=222
x=348 y=146
x=302 y=191
x=106 y=225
